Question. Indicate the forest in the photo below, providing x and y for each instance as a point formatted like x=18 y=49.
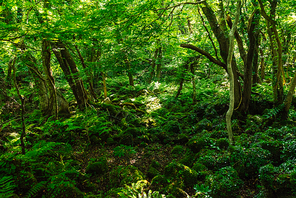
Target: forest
x=147 y=99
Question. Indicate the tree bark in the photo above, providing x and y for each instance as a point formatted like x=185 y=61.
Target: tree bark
x=40 y=82
x=153 y=66
x=71 y=72
x=158 y=65
x=88 y=74
x=276 y=46
x=224 y=47
x=231 y=76
x=248 y=69
x=52 y=108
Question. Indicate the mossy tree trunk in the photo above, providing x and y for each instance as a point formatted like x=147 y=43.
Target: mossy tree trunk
x=248 y=67
x=230 y=73
x=276 y=47
x=71 y=72
x=52 y=108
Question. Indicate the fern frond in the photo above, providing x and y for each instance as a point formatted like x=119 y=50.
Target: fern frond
x=6 y=187
x=35 y=189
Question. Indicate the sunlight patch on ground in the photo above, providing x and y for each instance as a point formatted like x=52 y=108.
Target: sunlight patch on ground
x=152 y=104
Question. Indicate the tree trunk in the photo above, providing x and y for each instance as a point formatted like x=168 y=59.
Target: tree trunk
x=40 y=82
x=230 y=72
x=89 y=76
x=192 y=69
x=104 y=84
x=158 y=65
x=71 y=72
x=262 y=66
x=153 y=66
x=289 y=97
x=185 y=68
x=224 y=47
x=52 y=107
x=252 y=33
x=276 y=47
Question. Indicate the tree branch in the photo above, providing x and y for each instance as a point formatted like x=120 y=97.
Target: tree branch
x=206 y=54
x=184 y=3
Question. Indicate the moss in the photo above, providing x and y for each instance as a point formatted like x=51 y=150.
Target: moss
x=178 y=149
x=159 y=182
x=152 y=172
x=201 y=170
x=182 y=138
x=110 y=141
x=155 y=164
x=196 y=144
x=222 y=143
x=134 y=131
x=98 y=168
x=177 y=171
x=204 y=124
x=225 y=183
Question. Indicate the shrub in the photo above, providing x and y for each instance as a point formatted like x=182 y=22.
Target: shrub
x=224 y=183
x=98 y=168
x=248 y=161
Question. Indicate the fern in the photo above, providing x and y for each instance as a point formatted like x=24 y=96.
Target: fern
x=42 y=148
x=36 y=189
x=137 y=191
x=6 y=187
x=273 y=112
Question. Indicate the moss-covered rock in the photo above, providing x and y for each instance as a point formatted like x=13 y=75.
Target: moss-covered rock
x=99 y=168
x=225 y=183
x=159 y=182
x=219 y=134
x=223 y=143
x=274 y=147
x=131 y=130
x=178 y=171
x=182 y=139
x=125 y=175
x=248 y=161
x=188 y=159
x=110 y=141
x=197 y=143
x=125 y=138
x=201 y=170
x=178 y=149
x=152 y=172
x=204 y=124
x=155 y=164
x=213 y=159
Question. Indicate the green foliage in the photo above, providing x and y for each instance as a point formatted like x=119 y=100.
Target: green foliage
x=125 y=175
x=202 y=191
x=271 y=113
x=7 y=187
x=247 y=162
x=136 y=190
x=182 y=173
x=36 y=189
x=100 y=167
x=224 y=183
x=123 y=150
